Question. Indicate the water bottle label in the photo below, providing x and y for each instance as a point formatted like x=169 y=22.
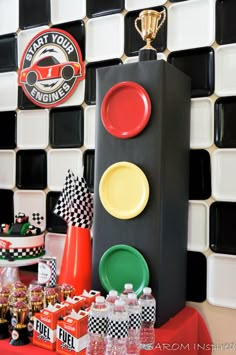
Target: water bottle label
x=135 y=321
x=148 y=314
x=118 y=329
x=97 y=325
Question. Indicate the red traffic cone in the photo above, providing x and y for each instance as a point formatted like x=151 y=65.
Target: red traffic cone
x=76 y=265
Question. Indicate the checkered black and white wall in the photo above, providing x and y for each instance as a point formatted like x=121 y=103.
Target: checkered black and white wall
x=38 y=146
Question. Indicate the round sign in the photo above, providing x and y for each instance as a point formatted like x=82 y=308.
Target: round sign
x=122 y=264
x=124 y=190
x=51 y=68
x=125 y=109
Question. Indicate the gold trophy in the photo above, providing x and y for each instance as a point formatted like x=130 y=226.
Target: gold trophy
x=50 y=295
x=66 y=291
x=4 y=332
x=19 y=335
x=151 y=23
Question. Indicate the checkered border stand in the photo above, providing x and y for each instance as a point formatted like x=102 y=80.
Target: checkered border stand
x=21 y=253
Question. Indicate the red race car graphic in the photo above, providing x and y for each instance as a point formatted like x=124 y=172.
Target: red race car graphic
x=49 y=68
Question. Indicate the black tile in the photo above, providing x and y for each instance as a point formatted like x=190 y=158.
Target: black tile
x=225 y=21
x=8 y=50
x=54 y=223
x=34 y=13
x=66 y=127
x=90 y=79
x=77 y=30
x=103 y=7
x=89 y=159
x=8 y=129
x=222 y=227
x=24 y=103
x=199 y=175
x=6 y=206
x=196 y=277
x=225 y=122
x=133 y=40
x=31 y=169
x=199 y=65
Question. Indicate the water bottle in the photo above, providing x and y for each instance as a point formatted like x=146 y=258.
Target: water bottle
x=134 y=311
x=97 y=327
x=128 y=288
x=111 y=298
x=117 y=333
x=148 y=315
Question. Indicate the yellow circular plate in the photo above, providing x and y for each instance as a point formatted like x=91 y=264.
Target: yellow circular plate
x=124 y=190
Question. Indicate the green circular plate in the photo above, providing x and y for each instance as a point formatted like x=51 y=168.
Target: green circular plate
x=123 y=264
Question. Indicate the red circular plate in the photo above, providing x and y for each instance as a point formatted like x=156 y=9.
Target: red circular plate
x=125 y=109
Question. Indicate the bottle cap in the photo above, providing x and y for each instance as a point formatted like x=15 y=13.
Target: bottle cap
x=147 y=290
x=128 y=286
x=99 y=299
x=119 y=302
x=113 y=293
x=132 y=296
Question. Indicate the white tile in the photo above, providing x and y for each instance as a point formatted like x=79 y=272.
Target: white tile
x=225 y=74
x=89 y=127
x=24 y=37
x=66 y=11
x=29 y=202
x=221 y=285
x=198 y=226
x=191 y=24
x=224 y=175
x=131 y=5
x=9 y=16
x=105 y=38
x=32 y=129
x=136 y=58
x=7 y=171
x=202 y=123
x=8 y=91
x=54 y=246
x=59 y=162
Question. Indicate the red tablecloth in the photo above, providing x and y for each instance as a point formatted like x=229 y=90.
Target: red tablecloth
x=186 y=333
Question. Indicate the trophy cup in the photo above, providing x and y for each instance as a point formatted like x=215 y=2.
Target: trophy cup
x=19 y=335
x=35 y=290
x=15 y=296
x=149 y=27
x=50 y=296
x=66 y=291
x=4 y=332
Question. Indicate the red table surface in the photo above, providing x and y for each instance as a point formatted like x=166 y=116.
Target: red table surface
x=185 y=333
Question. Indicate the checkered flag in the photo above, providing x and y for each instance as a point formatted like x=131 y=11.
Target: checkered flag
x=97 y=325
x=81 y=211
x=148 y=314
x=75 y=204
x=118 y=329
x=135 y=321
x=62 y=208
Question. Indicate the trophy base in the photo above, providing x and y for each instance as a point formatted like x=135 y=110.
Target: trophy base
x=30 y=327
x=19 y=337
x=4 y=331
x=147 y=54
